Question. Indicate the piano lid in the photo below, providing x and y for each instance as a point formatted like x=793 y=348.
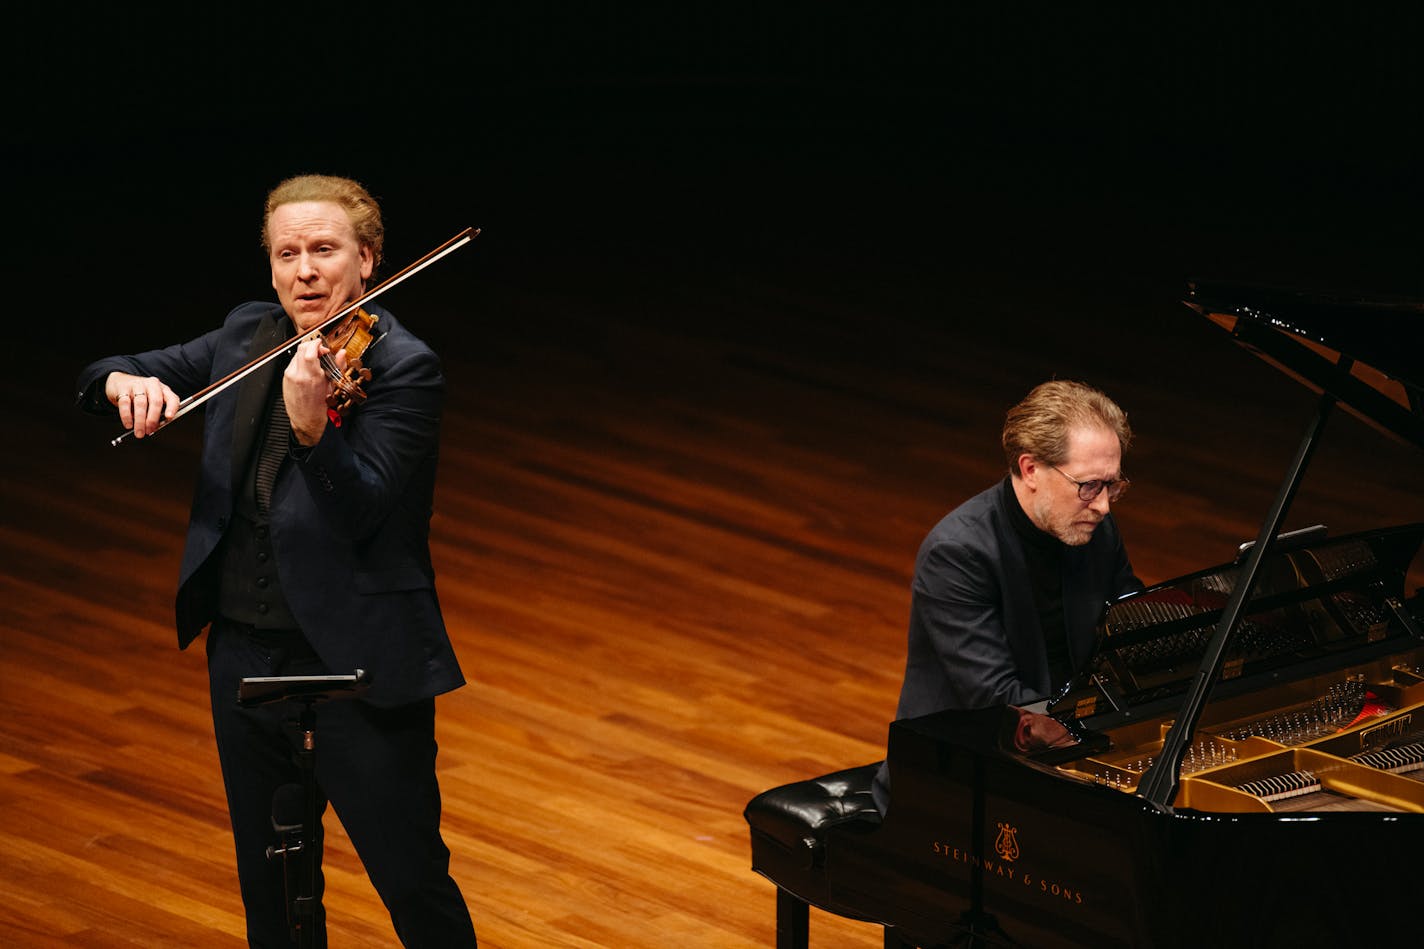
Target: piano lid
x=1362 y=351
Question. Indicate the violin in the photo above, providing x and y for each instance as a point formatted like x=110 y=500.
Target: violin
x=352 y=336
x=348 y=330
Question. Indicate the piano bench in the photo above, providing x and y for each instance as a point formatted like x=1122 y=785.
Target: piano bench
x=788 y=827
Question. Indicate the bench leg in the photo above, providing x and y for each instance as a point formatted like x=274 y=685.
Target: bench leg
x=793 y=921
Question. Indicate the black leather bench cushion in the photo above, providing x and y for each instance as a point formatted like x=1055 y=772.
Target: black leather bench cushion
x=796 y=815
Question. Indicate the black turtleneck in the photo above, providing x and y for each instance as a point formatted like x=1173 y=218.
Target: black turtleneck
x=1044 y=555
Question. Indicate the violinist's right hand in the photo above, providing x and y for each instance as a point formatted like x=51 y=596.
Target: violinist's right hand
x=142 y=401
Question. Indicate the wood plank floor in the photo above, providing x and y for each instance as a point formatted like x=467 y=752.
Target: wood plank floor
x=675 y=525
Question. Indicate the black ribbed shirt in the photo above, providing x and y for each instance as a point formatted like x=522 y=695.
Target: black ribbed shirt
x=251 y=591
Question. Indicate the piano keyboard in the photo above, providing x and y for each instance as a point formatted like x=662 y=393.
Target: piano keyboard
x=1402 y=760
x=1282 y=786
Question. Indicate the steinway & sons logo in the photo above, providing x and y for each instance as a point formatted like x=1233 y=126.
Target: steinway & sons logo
x=1006 y=848
x=1006 y=844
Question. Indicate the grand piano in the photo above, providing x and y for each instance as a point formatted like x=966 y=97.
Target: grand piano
x=1241 y=763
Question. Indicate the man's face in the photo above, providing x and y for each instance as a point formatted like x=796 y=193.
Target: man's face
x=318 y=265
x=1055 y=508
x=1036 y=732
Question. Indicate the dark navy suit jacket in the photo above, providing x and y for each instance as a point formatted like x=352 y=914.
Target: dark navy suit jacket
x=975 y=640
x=350 y=518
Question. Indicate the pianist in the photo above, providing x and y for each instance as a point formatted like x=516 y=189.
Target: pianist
x=1009 y=585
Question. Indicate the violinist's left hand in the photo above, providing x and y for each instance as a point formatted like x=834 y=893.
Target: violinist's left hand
x=305 y=387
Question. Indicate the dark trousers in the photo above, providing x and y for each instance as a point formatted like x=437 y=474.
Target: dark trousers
x=376 y=766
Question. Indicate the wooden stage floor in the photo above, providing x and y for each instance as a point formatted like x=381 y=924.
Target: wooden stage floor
x=676 y=517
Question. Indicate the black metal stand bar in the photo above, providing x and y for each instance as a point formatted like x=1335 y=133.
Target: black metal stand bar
x=304 y=905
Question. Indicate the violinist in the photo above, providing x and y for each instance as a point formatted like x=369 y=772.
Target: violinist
x=307 y=554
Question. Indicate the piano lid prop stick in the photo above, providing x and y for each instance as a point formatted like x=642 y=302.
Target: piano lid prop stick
x=1159 y=786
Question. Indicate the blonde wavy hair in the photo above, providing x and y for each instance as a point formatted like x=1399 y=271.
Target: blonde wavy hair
x=1041 y=423
x=360 y=207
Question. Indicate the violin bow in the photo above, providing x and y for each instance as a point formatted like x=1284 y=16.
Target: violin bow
x=237 y=375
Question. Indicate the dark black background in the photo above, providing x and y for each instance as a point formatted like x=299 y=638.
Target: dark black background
x=1075 y=166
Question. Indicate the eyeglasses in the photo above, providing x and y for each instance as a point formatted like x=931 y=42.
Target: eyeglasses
x=1089 y=490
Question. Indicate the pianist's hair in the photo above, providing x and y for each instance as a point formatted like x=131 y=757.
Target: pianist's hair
x=1039 y=425
x=355 y=200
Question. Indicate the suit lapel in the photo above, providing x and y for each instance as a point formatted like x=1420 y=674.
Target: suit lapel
x=1021 y=623
x=253 y=390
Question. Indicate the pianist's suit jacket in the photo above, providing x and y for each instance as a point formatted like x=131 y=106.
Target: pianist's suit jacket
x=350 y=521
x=975 y=640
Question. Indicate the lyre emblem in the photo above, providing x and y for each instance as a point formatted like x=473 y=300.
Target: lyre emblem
x=1006 y=844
